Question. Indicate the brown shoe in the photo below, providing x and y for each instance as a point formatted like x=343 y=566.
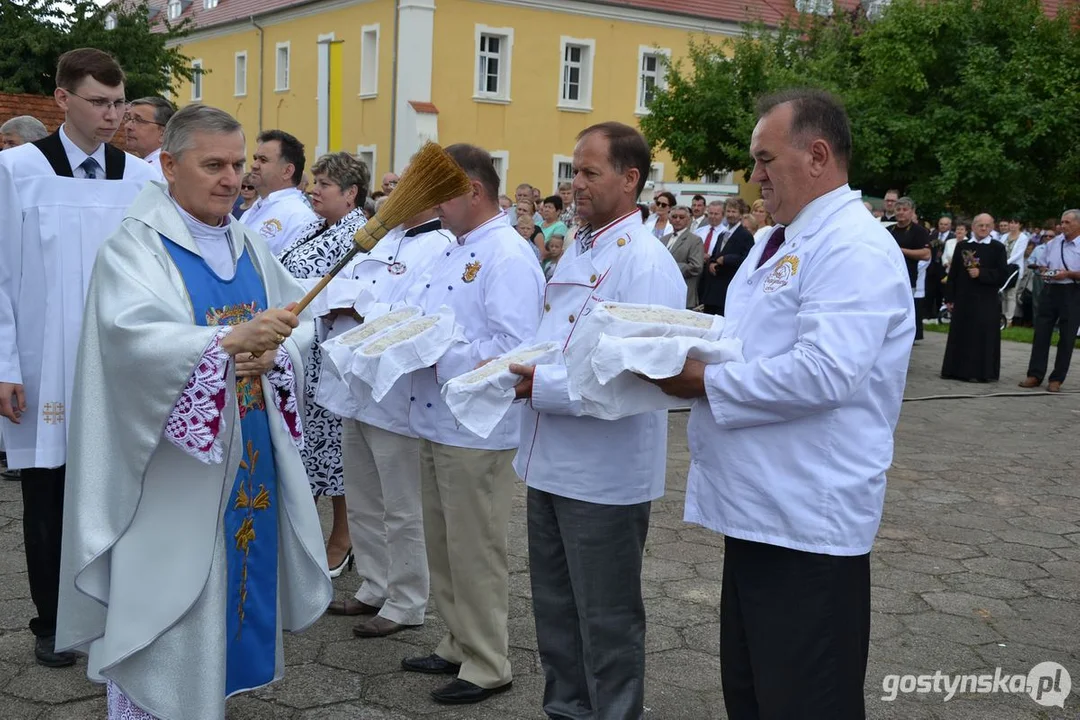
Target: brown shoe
x=1031 y=382
x=1053 y=386
x=378 y=626
x=351 y=607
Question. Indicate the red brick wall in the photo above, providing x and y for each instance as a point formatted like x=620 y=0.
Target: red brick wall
x=44 y=108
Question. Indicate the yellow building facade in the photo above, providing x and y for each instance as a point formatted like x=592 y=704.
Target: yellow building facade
x=379 y=77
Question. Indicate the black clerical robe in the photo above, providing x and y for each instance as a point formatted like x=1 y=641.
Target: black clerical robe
x=973 y=351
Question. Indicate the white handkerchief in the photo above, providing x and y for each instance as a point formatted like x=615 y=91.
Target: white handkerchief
x=481 y=398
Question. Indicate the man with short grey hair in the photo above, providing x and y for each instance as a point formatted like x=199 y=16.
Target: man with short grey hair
x=145 y=123
x=184 y=435
x=21 y=130
x=1059 y=305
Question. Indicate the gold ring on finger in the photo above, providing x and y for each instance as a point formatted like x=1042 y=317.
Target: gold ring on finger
x=279 y=339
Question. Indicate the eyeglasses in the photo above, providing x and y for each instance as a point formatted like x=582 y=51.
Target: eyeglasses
x=128 y=117
x=102 y=104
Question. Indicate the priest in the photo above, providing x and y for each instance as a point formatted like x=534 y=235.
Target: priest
x=978 y=269
x=190 y=538
x=60 y=197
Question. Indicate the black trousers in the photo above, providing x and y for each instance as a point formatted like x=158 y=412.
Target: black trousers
x=713 y=309
x=1058 y=307
x=43 y=522
x=920 y=314
x=794 y=633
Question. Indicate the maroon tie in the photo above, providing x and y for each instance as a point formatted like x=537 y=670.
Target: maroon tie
x=708 y=241
x=774 y=243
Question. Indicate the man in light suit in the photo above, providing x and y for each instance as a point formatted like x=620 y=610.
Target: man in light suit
x=686 y=248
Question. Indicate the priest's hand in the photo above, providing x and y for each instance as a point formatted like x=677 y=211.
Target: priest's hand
x=262 y=333
x=12 y=401
x=248 y=365
x=688 y=384
x=523 y=390
x=973 y=272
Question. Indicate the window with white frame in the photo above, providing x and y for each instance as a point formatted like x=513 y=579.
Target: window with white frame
x=816 y=7
x=110 y=21
x=367 y=154
x=493 y=51
x=656 y=173
x=196 y=80
x=718 y=178
x=575 y=87
x=210 y=4
x=876 y=8
x=562 y=171
x=174 y=10
x=369 y=61
x=281 y=71
x=500 y=160
x=651 y=69
x=240 y=74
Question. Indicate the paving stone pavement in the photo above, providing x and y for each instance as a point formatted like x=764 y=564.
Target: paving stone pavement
x=976 y=566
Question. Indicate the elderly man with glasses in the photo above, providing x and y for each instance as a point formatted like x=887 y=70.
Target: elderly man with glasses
x=144 y=124
x=59 y=197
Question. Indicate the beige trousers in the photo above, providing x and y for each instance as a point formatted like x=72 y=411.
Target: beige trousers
x=467 y=497
x=382 y=492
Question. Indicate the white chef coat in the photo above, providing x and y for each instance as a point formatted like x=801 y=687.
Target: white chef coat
x=280 y=217
x=790 y=447
x=609 y=462
x=384 y=275
x=492 y=282
x=153 y=159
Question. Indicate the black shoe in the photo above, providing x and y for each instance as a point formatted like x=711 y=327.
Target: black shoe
x=430 y=665
x=13 y=475
x=45 y=652
x=463 y=692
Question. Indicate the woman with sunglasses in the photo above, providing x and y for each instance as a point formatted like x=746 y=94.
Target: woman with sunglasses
x=247 y=197
x=659 y=224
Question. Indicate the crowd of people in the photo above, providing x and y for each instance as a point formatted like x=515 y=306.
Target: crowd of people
x=201 y=417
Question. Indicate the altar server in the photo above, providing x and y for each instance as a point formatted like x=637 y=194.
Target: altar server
x=190 y=538
x=789 y=448
x=592 y=482
x=60 y=197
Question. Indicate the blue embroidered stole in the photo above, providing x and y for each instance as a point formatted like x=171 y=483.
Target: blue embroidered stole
x=251 y=514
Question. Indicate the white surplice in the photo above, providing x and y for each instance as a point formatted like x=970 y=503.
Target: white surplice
x=50 y=230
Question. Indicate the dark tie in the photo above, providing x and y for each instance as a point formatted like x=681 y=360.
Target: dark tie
x=90 y=167
x=774 y=243
x=708 y=241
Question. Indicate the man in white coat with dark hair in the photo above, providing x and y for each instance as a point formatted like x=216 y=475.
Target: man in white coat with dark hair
x=789 y=448
x=591 y=482
x=190 y=538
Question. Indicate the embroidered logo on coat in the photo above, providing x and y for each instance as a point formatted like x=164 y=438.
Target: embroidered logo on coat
x=471 y=270
x=270 y=228
x=782 y=273
x=397 y=268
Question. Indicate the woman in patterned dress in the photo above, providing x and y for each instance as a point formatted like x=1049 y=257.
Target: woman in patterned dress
x=337 y=195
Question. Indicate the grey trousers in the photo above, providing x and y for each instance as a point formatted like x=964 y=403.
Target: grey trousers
x=585 y=565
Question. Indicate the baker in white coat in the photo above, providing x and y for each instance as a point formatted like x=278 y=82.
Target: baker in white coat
x=280 y=214
x=789 y=448
x=493 y=284
x=381 y=453
x=591 y=482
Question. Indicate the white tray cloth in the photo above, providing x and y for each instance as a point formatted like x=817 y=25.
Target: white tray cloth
x=480 y=403
x=339 y=350
x=607 y=351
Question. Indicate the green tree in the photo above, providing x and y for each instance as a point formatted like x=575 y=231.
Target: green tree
x=966 y=105
x=35 y=33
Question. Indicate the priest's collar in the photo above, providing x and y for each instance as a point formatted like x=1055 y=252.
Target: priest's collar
x=985 y=241
x=77 y=157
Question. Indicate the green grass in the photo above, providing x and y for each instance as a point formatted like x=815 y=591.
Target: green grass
x=1013 y=334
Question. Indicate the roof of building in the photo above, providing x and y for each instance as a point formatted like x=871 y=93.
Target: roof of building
x=771 y=12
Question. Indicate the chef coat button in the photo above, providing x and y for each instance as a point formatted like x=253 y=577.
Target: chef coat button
x=412 y=399
x=749 y=282
x=622 y=241
x=429 y=404
x=428 y=285
x=391 y=257
x=449 y=287
x=571 y=318
x=447 y=254
x=547 y=307
x=592 y=279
